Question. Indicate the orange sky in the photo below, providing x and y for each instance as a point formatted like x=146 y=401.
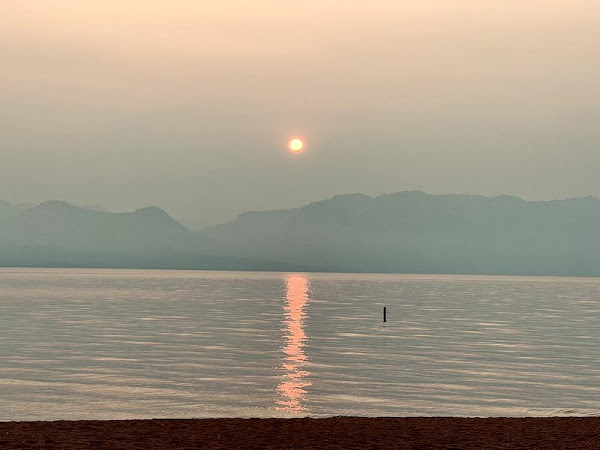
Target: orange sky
x=389 y=95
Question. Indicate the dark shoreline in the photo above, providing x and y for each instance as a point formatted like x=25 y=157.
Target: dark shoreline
x=335 y=432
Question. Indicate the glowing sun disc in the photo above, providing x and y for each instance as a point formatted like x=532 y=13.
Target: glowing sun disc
x=296 y=145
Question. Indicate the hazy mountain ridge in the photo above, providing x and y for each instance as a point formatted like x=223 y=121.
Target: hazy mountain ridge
x=60 y=224
x=413 y=231
x=56 y=233
x=408 y=231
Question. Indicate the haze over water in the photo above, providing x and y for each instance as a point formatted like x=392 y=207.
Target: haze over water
x=116 y=344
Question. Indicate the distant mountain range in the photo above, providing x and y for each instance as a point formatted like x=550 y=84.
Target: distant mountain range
x=58 y=234
x=410 y=232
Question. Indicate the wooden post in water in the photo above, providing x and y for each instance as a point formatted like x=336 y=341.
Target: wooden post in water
x=384 y=314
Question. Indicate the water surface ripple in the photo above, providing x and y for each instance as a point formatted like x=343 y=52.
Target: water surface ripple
x=116 y=344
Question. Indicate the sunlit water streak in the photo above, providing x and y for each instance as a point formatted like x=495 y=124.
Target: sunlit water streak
x=115 y=344
x=292 y=389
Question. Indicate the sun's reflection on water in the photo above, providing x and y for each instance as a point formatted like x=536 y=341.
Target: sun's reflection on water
x=292 y=393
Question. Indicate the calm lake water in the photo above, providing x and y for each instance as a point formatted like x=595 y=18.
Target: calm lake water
x=116 y=344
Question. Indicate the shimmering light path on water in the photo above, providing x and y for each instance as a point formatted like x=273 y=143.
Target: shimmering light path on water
x=108 y=344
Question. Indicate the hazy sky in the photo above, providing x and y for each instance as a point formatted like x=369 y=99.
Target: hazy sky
x=188 y=104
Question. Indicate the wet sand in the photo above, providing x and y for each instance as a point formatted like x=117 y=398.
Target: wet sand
x=337 y=432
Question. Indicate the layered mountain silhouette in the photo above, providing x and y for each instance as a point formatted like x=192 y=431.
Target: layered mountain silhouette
x=419 y=233
x=58 y=234
x=407 y=232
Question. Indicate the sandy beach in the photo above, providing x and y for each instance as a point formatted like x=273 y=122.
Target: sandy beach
x=337 y=432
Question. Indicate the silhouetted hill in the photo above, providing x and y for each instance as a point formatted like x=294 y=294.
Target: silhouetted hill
x=57 y=233
x=62 y=225
x=417 y=232
x=405 y=232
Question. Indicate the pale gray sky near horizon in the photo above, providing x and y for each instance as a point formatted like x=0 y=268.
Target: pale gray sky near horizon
x=188 y=105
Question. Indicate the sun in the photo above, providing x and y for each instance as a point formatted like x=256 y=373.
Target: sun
x=296 y=145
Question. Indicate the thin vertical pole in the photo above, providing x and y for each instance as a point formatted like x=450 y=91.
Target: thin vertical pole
x=384 y=314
